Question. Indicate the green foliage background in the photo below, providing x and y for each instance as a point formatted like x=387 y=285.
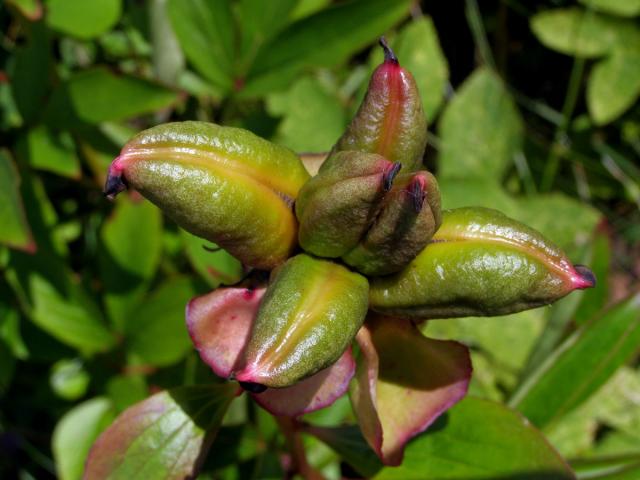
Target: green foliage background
x=533 y=109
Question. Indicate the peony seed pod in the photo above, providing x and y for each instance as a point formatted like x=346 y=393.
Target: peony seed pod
x=409 y=216
x=220 y=183
x=479 y=263
x=309 y=315
x=336 y=207
x=390 y=121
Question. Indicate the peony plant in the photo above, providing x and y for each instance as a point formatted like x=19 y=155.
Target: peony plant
x=356 y=256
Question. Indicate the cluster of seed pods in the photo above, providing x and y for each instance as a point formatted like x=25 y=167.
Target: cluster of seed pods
x=359 y=252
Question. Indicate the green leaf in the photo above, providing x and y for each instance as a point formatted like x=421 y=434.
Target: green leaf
x=125 y=390
x=507 y=339
x=163 y=437
x=83 y=19
x=577 y=32
x=129 y=256
x=614 y=85
x=68 y=379
x=479 y=192
x=349 y=443
x=419 y=51
x=168 y=59
x=562 y=219
x=480 y=130
x=97 y=95
x=156 y=330
x=15 y=230
x=324 y=39
x=580 y=365
x=595 y=299
x=32 y=9
x=304 y=8
x=480 y=439
x=313 y=118
x=622 y=8
x=261 y=21
x=215 y=267
x=608 y=468
x=68 y=316
x=205 y=30
x=75 y=433
x=52 y=151
x=30 y=72
x=7 y=367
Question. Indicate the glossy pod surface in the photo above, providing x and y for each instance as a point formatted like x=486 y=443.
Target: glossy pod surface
x=221 y=183
x=336 y=207
x=390 y=121
x=308 y=317
x=480 y=262
x=408 y=218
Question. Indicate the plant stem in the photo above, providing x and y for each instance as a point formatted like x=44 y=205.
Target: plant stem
x=560 y=136
x=299 y=465
x=479 y=35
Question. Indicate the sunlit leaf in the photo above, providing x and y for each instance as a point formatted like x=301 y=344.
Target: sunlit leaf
x=15 y=230
x=165 y=436
x=326 y=38
x=215 y=266
x=403 y=383
x=313 y=118
x=580 y=365
x=480 y=130
x=614 y=85
x=476 y=440
x=83 y=19
x=155 y=331
x=52 y=151
x=97 y=95
x=75 y=433
x=623 y=8
x=68 y=316
x=575 y=31
x=69 y=379
x=129 y=256
x=205 y=30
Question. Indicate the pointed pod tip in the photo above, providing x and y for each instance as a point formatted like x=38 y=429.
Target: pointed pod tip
x=389 y=56
x=585 y=277
x=115 y=182
x=114 y=185
x=417 y=189
x=390 y=175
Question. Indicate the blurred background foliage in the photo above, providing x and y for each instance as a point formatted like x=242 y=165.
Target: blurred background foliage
x=533 y=110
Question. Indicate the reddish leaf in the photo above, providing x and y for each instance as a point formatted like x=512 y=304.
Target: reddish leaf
x=404 y=381
x=165 y=436
x=318 y=391
x=220 y=324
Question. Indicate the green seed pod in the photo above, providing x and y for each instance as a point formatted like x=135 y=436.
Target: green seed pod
x=308 y=317
x=336 y=207
x=390 y=121
x=220 y=183
x=408 y=218
x=479 y=263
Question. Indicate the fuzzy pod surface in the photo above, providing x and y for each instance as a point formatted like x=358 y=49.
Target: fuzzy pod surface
x=337 y=206
x=479 y=263
x=309 y=315
x=409 y=216
x=223 y=184
x=390 y=121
